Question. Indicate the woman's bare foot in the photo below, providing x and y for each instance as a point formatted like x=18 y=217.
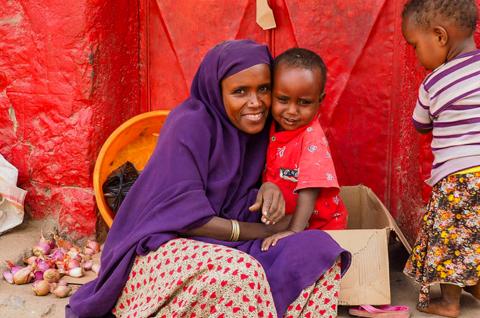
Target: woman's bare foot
x=440 y=307
x=474 y=290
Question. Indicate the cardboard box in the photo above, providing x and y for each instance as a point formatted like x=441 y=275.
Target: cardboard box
x=369 y=225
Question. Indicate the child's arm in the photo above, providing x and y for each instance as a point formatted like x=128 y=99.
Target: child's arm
x=422 y=121
x=303 y=212
x=305 y=205
x=423 y=128
x=423 y=131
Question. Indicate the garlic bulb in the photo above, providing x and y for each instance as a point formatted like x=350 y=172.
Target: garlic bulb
x=62 y=291
x=96 y=268
x=73 y=263
x=94 y=246
x=88 y=251
x=30 y=260
x=76 y=272
x=38 y=275
x=8 y=276
x=23 y=276
x=41 y=248
x=41 y=287
x=87 y=265
x=51 y=275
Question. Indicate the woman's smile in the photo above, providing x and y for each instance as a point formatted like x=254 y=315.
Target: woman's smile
x=255 y=117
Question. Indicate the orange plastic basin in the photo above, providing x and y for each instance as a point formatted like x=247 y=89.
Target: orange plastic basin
x=133 y=141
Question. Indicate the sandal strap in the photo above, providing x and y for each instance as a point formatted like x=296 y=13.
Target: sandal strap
x=384 y=309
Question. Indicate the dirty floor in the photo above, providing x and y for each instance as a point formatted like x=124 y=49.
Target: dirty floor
x=20 y=302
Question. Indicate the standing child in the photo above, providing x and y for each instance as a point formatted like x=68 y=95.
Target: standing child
x=298 y=157
x=447 y=251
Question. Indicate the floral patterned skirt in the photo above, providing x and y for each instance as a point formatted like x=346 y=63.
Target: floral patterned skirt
x=187 y=278
x=447 y=250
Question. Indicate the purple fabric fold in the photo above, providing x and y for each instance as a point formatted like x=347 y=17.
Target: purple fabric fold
x=203 y=167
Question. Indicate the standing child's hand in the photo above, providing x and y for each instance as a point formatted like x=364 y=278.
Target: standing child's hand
x=272 y=240
x=270 y=200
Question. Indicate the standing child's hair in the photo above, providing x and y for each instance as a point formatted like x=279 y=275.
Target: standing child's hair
x=302 y=58
x=463 y=13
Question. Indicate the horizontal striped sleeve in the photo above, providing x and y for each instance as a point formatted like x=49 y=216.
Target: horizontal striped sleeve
x=421 y=113
x=453 y=67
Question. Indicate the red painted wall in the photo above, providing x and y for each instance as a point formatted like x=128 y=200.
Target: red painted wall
x=68 y=77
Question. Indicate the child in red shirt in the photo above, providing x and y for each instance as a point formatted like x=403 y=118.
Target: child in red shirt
x=298 y=157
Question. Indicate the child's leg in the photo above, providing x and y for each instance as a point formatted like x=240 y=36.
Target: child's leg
x=448 y=305
x=474 y=290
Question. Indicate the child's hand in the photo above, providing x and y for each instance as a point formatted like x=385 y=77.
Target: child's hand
x=271 y=200
x=272 y=240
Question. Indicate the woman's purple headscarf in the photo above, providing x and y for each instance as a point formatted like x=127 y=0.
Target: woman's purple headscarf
x=202 y=167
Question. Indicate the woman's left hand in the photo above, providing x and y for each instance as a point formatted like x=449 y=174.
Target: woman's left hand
x=272 y=240
x=270 y=199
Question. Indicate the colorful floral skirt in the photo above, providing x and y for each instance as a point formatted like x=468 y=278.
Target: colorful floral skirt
x=187 y=278
x=447 y=250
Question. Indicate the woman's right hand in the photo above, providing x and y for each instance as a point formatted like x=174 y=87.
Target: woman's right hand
x=270 y=200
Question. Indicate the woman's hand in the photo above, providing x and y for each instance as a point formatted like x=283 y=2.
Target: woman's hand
x=270 y=200
x=272 y=240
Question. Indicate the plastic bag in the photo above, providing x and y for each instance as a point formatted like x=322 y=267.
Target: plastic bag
x=118 y=183
x=11 y=197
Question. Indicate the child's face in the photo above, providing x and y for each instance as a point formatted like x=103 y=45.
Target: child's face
x=428 y=43
x=297 y=93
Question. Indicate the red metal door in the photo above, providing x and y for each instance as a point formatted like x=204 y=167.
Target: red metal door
x=372 y=81
x=177 y=34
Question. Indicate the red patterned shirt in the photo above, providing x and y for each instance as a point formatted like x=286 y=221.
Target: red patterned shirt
x=301 y=159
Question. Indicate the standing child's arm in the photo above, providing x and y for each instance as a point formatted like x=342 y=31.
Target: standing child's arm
x=421 y=114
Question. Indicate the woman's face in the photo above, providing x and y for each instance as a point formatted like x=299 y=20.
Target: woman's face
x=247 y=98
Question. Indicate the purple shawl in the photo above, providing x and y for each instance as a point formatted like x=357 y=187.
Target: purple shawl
x=203 y=167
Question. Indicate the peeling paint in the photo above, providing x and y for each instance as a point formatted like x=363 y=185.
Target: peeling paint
x=15 y=20
x=61 y=94
x=13 y=118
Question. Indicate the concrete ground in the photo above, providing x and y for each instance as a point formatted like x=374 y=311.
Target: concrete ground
x=20 y=302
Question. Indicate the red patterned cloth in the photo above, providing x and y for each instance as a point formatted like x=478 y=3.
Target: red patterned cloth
x=301 y=159
x=187 y=278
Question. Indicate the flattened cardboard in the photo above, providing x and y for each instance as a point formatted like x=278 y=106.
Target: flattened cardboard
x=369 y=225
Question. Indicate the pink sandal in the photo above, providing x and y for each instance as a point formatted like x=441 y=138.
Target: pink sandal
x=385 y=311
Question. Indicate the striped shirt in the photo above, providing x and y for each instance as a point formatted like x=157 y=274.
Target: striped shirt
x=449 y=104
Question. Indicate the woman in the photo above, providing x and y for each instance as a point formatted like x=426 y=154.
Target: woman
x=200 y=181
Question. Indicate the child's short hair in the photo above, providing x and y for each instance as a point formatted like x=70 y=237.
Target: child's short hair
x=302 y=58
x=463 y=13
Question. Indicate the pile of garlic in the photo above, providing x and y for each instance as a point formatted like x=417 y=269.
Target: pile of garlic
x=50 y=260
